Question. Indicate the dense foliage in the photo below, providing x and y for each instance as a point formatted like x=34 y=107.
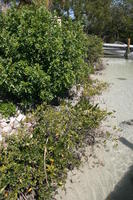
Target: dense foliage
x=110 y=19
x=38 y=161
x=7 y=109
x=39 y=59
x=95 y=51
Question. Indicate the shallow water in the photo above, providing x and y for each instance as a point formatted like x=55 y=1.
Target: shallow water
x=108 y=175
x=119 y=73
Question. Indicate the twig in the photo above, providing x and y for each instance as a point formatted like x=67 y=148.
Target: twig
x=24 y=197
x=45 y=153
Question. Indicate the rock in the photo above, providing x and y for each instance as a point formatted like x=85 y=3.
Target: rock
x=7 y=129
x=28 y=125
x=95 y=67
x=129 y=123
x=16 y=124
x=0 y=131
x=74 y=102
x=20 y=117
x=0 y=137
x=2 y=120
x=12 y=120
x=77 y=96
x=73 y=91
x=3 y=124
x=18 y=112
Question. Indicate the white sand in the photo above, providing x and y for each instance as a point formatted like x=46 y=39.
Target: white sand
x=110 y=169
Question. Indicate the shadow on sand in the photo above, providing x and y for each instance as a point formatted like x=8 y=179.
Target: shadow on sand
x=124 y=189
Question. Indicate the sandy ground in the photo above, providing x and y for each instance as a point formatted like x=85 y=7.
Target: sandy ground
x=108 y=172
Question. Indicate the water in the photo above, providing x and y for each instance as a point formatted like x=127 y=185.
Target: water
x=108 y=175
x=119 y=74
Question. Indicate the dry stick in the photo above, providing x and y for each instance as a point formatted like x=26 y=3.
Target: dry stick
x=45 y=153
x=24 y=197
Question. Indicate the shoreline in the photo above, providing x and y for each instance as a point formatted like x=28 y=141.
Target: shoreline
x=115 y=157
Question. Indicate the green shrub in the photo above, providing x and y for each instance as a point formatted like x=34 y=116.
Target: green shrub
x=39 y=59
x=94 y=48
x=39 y=161
x=7 y=109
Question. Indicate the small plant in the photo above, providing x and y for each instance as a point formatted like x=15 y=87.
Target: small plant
x=94 y=87
x=39 y=161
x=7 y=109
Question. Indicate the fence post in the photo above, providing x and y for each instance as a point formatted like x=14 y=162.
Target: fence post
x=128 y=48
